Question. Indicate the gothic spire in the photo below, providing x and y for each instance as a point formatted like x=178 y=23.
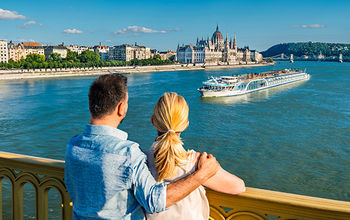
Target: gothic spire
x=217 y=27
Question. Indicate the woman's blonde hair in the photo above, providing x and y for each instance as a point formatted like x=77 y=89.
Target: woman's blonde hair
x=170 y=116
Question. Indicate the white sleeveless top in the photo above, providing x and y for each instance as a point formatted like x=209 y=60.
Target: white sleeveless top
x=194 y=206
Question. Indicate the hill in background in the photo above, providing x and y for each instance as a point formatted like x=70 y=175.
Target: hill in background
x=308 y=49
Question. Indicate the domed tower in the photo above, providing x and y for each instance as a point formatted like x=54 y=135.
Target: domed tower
x=218 y=39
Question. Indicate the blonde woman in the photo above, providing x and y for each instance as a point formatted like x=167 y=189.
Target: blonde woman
x=169 y=161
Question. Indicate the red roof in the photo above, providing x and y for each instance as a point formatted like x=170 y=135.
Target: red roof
x=32 y=44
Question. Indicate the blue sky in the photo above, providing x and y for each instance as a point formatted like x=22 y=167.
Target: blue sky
x=164 y=24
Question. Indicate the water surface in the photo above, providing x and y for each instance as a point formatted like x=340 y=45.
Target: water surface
x=293 y=138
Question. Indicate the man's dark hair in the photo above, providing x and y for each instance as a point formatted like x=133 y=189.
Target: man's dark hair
x=105 y=94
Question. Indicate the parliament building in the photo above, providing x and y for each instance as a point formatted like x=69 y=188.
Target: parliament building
x=217 y=51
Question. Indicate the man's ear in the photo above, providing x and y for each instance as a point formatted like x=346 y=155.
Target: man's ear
x=121 y=108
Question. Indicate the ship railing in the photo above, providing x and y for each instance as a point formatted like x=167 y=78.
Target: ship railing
x=254 y=204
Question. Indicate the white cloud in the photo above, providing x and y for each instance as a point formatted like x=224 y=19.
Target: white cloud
x=10 y=15
x=73 y=31
x=304 y=26
x=138 y=29
x=28 y=24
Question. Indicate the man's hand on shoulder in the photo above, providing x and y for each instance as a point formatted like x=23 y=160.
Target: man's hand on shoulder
x=207 y=166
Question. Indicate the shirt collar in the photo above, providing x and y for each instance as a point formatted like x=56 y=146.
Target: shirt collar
x=105 y=130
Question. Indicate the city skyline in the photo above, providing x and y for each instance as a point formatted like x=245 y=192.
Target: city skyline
x=165 y=25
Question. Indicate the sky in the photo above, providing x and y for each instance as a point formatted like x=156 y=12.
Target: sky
x=164 y=24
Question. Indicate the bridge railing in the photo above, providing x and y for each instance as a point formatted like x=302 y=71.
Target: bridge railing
x=254 y=204
x=43 y=174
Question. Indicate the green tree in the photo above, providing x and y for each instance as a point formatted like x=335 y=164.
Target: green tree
x=11 y=64
x=54 y=57
x=72 y=56
x=35 y=58
x=89 y=56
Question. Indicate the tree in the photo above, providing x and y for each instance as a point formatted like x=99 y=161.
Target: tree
x=11 y=64
x=35 y=58
x=89 y=56
x=72 y=56
x=54 y=57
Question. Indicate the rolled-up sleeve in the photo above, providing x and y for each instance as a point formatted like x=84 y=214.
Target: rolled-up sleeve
x=150 y=194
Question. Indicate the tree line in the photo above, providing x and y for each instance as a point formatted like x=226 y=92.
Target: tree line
x=86 y=59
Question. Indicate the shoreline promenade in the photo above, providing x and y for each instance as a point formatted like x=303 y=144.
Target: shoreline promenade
x=57 y=73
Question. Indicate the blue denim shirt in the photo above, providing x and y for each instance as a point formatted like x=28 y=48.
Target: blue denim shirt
x=107 y=176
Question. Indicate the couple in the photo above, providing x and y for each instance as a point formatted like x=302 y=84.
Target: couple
x=108 y=176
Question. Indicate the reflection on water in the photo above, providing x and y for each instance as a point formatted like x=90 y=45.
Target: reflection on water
x=251 y=97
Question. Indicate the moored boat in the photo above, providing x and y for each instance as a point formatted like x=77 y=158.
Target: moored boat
x=243 y=84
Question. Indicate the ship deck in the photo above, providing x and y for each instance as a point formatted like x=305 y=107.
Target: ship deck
x=254 y=76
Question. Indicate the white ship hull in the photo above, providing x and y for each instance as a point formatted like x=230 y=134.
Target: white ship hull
x=235 y=92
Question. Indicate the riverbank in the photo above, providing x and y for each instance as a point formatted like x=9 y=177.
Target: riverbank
x=56 y=73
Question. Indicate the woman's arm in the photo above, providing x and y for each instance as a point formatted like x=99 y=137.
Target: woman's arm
x=225 y=182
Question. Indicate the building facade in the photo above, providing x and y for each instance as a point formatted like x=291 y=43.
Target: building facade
x=256 y=56
x=12 y=48
x=33 y=48
x=103 y=51
x=16 y=52
x=76 y=48
x=165 y=55
x=3 y=51
x=127 y=52
x=215 y=51
x=60 y=49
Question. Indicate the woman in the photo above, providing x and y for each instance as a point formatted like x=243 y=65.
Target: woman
x=169 y=161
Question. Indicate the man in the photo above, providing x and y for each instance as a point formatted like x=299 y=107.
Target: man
x=106 y=175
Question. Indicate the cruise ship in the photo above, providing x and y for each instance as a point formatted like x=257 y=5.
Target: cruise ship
x=243 y=84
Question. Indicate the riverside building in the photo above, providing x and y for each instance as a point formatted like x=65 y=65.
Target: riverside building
x=256 y=56
x=77 y=48
x=103 y=51
x=16 y=52
x=165 y=55
x=33 y=48
x=216 y=51
x=3 y=51
x=60 y=49
x=127 y=52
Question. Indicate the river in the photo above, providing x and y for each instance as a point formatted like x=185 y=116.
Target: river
x=293 y=138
